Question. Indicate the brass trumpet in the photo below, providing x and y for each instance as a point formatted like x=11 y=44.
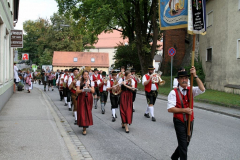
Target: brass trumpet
x=117 y=89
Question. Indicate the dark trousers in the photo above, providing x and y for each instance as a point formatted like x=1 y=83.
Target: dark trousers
x=151 y=97
x=61 y=94
x=181 y=132
x=114 y=100
x=64 y=92
x=103 y=96
x=68 y=95
x=134 y=95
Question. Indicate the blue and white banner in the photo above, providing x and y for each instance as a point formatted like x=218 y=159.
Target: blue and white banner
x=197 y=16
x=173 y=14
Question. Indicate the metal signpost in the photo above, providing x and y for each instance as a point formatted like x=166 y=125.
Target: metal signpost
x=171 y=53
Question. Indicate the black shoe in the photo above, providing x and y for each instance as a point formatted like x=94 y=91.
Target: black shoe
x=127 y=131
x=70 y=109
x=65 y=104
x=113 y=119
x=52 y=89
x=103 y=111
x=153 y=119
x=44 y=90
x=147 y=115
x=133 y=110
x=75 y=123
x=123 y=126
x=95 y=107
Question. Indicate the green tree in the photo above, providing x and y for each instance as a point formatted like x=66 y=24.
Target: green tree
x=137 y=20
x=126 y=55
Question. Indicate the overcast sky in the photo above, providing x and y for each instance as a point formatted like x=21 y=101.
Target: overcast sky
x=33 y=9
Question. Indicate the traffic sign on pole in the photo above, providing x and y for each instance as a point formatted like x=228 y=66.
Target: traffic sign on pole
x=171 y=51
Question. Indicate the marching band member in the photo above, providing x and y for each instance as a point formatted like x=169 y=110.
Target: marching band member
x=65 y=79
x=95 y=77
x=103 y=85
x=73 y=88
x=178 y=104
x=84 y=102
x=151 y=91
x=58 y=82
x=69 y=81
x=114 y=97
x=126 y=104
x=137 y=80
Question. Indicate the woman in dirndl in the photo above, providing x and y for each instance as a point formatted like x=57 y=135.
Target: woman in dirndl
x=84 y=102
x=126 y=100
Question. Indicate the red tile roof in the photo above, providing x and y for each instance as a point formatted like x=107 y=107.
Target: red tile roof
x=110 y=39
x=61 y=58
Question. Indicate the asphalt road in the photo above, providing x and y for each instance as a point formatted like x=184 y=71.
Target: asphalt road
x=215 y=136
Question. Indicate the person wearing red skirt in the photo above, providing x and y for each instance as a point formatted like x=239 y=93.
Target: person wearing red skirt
x=126 y=100
x=84 y=102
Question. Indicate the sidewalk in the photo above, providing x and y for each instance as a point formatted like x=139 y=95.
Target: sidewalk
x=30 y=129
x=205 y=106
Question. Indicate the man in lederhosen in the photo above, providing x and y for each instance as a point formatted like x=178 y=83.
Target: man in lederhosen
x=178 y=104
x=95 y=77
x=137 y=80
x=114 y=97
x=73 y=88
x=65 y=88
x=151 y=92
x=58 y=83
x=103 y=84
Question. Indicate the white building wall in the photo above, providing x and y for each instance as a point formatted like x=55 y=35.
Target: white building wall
x=222 y=38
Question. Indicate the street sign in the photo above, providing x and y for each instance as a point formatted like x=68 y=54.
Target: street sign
x=171 y=51
x=25 y=56
x=17 y=38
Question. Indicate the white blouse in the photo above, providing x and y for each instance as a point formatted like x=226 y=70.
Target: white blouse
x=121 y=80
x=79 y=83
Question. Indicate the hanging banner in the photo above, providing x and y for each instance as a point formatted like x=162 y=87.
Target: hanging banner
x=197 y=16
x=173 y=14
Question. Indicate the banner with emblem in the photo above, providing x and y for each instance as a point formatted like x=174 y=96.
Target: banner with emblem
x=197 y=17
x=173 y=14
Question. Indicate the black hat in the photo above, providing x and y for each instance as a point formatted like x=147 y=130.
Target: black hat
x=133 y=70
x=104 y=73
x=70 y=70
x=182 y=74
x=114 y=73
x=95 y=69
x=151 y=68
x=75 y=69
x=61 y=73
x=66 y=70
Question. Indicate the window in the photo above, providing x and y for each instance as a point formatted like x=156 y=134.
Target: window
x=75 y=59
x=92 y=59
x=210 y=19
x=238 y=49
x=209 y=55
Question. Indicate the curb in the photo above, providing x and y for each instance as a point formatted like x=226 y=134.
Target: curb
x=207 y=109
x=75 y=147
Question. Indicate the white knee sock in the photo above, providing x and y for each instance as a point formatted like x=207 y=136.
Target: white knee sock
x=69 y=104
x=147 y=111
x=65 y=99
x=151 y=109
x=113 y=112
x=133 y=106
x=75 y=113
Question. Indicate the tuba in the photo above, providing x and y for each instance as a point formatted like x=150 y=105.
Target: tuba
x=117 y=89
x=157 y=79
